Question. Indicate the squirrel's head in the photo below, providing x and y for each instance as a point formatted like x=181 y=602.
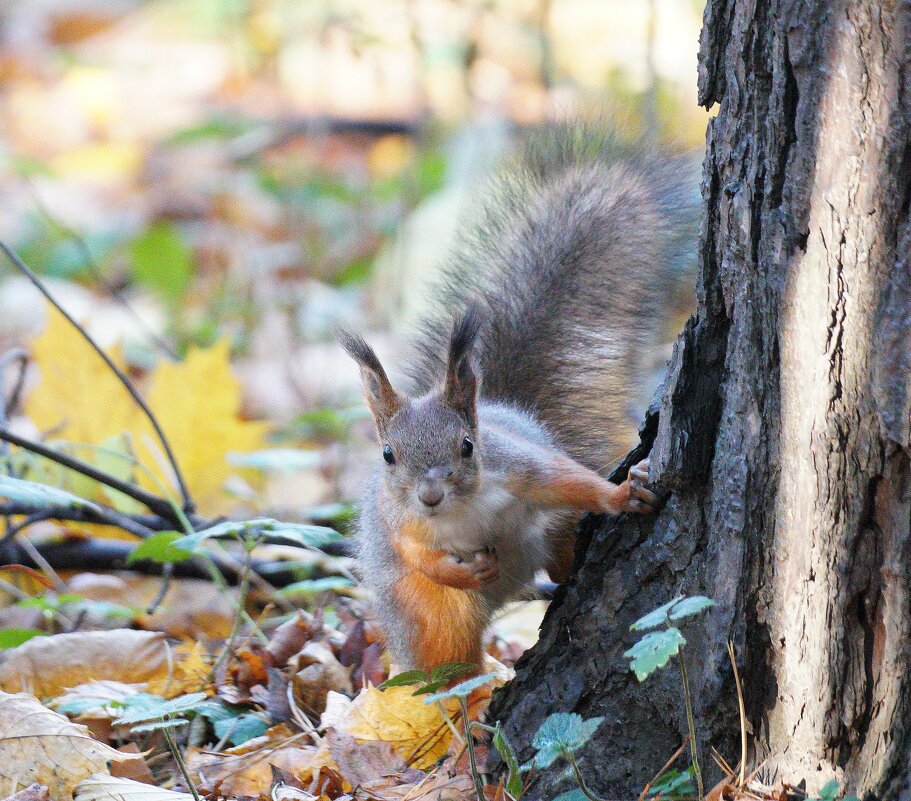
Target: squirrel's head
x=429 y=444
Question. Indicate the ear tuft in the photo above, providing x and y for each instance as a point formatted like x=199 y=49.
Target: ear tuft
x=461 y=388
x=464 y=334
x=381 y=397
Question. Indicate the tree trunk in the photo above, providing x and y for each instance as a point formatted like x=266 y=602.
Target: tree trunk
x=783 y=433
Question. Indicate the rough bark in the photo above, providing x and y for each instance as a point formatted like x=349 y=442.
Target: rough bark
x=783 y=432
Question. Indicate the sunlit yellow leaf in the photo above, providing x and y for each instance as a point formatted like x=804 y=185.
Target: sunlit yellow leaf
x=197 y=403
x=78 y=397
x=416 y=730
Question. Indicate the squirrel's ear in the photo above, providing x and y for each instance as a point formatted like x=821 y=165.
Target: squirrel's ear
x=381 y=397
x=461 y=389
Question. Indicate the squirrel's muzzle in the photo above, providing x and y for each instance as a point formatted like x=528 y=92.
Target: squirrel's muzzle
x=431 y=491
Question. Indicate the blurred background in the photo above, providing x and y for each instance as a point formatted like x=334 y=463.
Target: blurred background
x=237 y=173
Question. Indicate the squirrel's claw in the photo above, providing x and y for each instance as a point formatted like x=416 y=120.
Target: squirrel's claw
x=640 y=500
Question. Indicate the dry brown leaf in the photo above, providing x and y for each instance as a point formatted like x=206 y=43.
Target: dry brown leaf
x=291 y=636
x=361 y=762
x=246 y=770
x=134 y=766
x=318 y=672
x=101 y=787
x=38 y=745
x=34 y=792
x=192 y=608
x=47 y=666
x=438 y=786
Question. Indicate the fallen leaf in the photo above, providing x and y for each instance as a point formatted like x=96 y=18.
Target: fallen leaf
x=438 y=786
x=34 y=792
x=47 y=666
x=361 y=762
x=291 y=636
x=246 y=770
x=417 y=731
x=92 y=698
x=197 y=403
x=188 y=673
x=101 y=787
x=319 y=672
x=38 y=745
x=134 y=766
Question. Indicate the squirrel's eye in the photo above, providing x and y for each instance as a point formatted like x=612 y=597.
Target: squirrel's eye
x=467 y=448
x=388 y=455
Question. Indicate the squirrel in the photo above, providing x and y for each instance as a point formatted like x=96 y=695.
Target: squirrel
x=519 y=380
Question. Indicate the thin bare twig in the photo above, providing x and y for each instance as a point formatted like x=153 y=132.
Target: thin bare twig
x=743 y=717
x=8 y=405
x=188 y=505
x=157 y=504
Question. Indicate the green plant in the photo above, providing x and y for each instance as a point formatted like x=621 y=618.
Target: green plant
x=656 y=648
x=559 y=738
x=829 y=792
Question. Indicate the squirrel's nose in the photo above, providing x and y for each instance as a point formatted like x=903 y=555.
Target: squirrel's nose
x=430 y=495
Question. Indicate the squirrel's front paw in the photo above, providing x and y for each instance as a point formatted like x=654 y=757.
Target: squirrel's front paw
x=635 y=496
x=486 y=566
x=476 y=570
x=640 y=499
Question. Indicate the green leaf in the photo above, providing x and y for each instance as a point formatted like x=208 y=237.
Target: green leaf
x=161 y=260
x=240 y=728
x=514 y=775
x=673 y=783
x=278 y=460
x=430 y=687
x=160 y=548
x=17 y=489
x=690 y=606
x=560 y=734
x=301 y=534
x=80 y=705
x=14 y=636
x=313 y=586
x=159 y=708
x=450 y=671
x=829 y=792
x=656 y=617
x=403 y=679
x=461 y=690
x=653 y=651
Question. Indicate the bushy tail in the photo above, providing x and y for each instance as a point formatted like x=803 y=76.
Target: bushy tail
x=572 y=263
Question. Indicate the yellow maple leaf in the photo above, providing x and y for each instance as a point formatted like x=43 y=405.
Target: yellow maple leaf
x=78 y=398
x=416 y=730
x=197 y=403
